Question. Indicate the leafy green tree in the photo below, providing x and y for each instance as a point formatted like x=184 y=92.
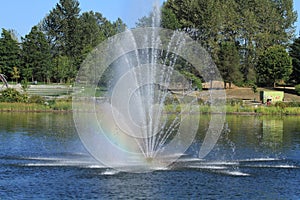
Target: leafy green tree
x=72 y=36
x=9 y=53
x=62 y=70
x=15 y=74
x=295 y=54
x=273 y=65
x=36 y=56
x=254 y=25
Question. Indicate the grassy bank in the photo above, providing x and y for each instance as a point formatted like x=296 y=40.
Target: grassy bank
x=66 y=106
x=60 y=106
x=262 y=110
x=246 y=109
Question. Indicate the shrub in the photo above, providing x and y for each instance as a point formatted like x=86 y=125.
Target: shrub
x=234 y=102
x=12 y=95
x=281 y=104
x=36 y=99
x=61 y=105
x=291 y=104
x=297 y=89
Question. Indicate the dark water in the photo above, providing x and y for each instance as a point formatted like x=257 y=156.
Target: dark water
x=41 y=157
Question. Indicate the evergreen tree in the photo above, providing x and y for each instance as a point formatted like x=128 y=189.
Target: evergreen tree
x=72 y=36
x=228 y=63
x=94 y=29
x=90 y=32
x=36 y=57
x=9 y=53
x=295 y=54
x=61 y=27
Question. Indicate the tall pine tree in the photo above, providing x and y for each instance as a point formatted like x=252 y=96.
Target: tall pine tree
x=295 y=54
x=61 y=27
x=9 y=53
x=36 y=57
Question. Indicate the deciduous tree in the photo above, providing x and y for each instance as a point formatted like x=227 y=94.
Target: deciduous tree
x=273 y=65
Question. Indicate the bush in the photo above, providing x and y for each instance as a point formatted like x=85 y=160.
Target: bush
x=36 y=99
x=281 y=104
x=11 y=95
x=287 y=104
x=297 y=89
x=61 y=105
x=234 y=102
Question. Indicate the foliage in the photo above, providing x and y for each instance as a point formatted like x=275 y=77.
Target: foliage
x=36 y=99
x=72 y=36
x=297 y=89
x=24 y=107
x=169 y=21
x=232 y=31
x=62 y=106
x=253 y=25
x=36 y=57
x=228 y=63
x=274 y=64
x=295 y=54
x=254 y=88
x=9 y=53
x=195 y=81
x=61 y=27
x=62 y=69
x=24 y=84
x=12 y=95
x=15 y=74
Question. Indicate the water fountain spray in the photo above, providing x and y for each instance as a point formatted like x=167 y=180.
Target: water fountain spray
x=149 y=114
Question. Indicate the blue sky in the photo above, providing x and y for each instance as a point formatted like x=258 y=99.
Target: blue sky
x=21 y=15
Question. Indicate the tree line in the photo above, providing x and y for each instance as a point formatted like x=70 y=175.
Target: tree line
x=55 y=48
x=251 y=41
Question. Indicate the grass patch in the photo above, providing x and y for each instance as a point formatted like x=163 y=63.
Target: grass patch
x=62 y=106
x=66 y=105
x=47 y=106
x=23 y=107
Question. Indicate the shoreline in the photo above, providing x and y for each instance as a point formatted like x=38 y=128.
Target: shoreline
x=66 y=107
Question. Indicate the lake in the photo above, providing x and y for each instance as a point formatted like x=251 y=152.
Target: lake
x=257 y=157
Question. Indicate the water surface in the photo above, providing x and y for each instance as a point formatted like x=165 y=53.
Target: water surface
x=41 y=157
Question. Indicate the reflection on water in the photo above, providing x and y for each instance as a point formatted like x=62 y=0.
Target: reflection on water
x=255 y=157
x=272 y=132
